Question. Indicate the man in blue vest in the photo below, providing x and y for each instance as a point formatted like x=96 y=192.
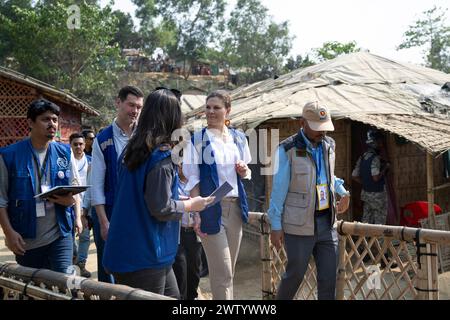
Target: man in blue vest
x=39 y=231
x=107 y=148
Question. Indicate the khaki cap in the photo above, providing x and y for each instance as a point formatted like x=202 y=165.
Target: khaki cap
x=318 y=116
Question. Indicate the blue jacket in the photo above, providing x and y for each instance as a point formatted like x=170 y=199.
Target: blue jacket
x=105 y=141
x=136 y=240
x=209 y=181
x=21 y=179
x=368 y=184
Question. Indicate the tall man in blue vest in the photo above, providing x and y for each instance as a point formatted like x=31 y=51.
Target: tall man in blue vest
x=303 y=204
x=107 y=148
x=39 y=232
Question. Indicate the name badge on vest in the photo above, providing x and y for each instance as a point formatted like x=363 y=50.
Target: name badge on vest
x=323 y=196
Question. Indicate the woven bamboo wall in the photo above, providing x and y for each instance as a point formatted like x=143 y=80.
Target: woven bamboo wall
x=14 y=101
x=409 y=173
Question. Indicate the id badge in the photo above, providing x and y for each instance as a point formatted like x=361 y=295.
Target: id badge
x=40 y=204
x=323 y=196
x=40 y=208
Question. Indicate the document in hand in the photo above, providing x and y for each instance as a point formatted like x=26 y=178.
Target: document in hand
x=220 y=193
x=61 y=190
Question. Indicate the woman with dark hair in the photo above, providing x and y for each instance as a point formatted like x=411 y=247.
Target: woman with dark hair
x=144 y=229
x=219 y=154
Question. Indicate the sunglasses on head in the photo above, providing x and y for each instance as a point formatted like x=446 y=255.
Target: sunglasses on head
x=176 y=92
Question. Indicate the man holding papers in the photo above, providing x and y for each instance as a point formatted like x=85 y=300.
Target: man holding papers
x=38 y=231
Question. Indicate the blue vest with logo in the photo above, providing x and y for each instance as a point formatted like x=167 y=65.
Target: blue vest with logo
x=211 y=218
x=105 y=141
x=368 y=183
x=18 y=159
x=136 y=240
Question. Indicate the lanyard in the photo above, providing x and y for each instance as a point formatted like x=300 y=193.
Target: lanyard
x=318 y=161
x=41 y=170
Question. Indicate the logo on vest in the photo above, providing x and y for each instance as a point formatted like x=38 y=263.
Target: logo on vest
x=62 y=163
x=60 y=175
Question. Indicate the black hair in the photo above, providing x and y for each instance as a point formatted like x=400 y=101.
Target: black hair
x=40 y=106
x=75 y=135
x=160 y=116
x=85 y=132
x=125 y=91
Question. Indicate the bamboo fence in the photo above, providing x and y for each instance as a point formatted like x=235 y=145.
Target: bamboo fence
x=18 y=282
x=403 y=260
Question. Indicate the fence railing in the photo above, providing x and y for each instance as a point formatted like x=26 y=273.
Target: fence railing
x=18 y=282
x=376 y=262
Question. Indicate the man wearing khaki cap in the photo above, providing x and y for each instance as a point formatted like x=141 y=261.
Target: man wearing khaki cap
x=303 y=204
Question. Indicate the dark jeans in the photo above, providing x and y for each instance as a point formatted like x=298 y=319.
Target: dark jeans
x=324 y=247
x=161 y=281
x=56 y=256
x=102 y=275
x=187 y=264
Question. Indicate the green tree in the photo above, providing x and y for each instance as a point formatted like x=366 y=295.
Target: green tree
x=154 y=31
x=84 y=60
x=297 y=63
x=194 y=25
x=333 y=49
x=432 y=33
x=257 y=45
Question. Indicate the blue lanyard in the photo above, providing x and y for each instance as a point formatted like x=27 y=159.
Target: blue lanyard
x=317 y=160
x=41 y=170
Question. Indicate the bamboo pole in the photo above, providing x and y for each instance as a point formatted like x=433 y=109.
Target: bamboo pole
x=31 y=290
x=266 y=259
x=268 y=177
x=349 y=164
x=340 y=284
x=433 y=270
x=430 y=191
x=105 y=291
x=395 y=232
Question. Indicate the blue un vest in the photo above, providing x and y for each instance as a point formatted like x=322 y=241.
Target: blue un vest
x=105 y=141
x=136 y=240
x=21 y=179
x=369 y=185
x=209 y=181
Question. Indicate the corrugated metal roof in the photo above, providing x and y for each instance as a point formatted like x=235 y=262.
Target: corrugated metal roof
x=356 y=86
x=56 y=94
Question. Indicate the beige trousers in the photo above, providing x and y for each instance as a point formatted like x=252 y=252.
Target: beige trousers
x=222 y=250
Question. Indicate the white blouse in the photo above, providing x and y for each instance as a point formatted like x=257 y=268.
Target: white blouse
x=226 y=155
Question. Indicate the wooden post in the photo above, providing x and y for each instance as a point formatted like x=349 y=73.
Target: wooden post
x=266 y=258
x=432 y=248
x=269 y=177
x=430 y=191
x=348 y=133
x=340 y=284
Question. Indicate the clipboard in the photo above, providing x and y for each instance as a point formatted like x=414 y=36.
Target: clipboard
x=220 y=193
x=61 y=190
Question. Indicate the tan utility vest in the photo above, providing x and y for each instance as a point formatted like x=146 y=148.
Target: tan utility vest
x=300 y=203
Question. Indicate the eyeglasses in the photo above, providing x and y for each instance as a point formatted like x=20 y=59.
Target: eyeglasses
x=176 y=92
